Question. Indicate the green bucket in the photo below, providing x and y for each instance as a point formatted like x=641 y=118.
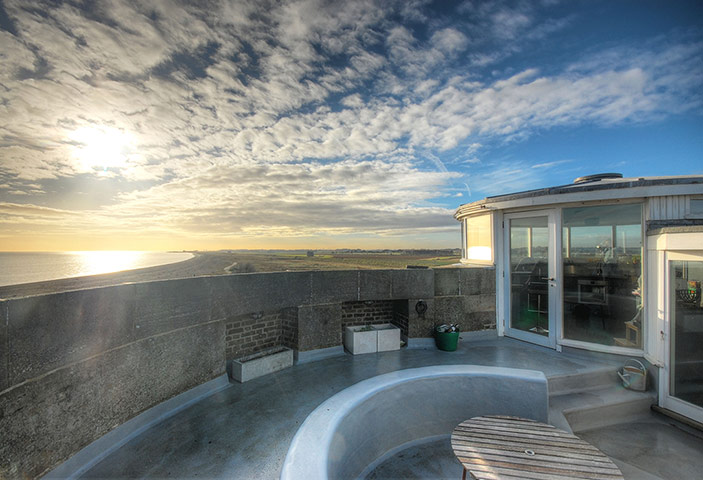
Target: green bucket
x=446 y=341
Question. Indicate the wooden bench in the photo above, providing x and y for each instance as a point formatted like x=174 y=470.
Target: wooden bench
x=499 y=447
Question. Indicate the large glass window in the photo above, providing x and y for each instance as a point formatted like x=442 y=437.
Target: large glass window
x=602 y=255
x=478 y=238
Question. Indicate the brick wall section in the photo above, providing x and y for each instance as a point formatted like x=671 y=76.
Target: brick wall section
x=253 y=332
x=373 y=312
x=289 y=327
x=366 y=313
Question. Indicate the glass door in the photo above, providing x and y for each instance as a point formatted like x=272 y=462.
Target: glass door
x=530 y=277
x=683 y=383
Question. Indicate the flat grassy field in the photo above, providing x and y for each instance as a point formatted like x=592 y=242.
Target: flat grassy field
x=245 y=262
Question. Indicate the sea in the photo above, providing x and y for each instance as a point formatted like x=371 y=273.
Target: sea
x=26 y=267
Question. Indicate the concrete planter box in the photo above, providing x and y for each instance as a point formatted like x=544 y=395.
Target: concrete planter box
x=381 y=338
x=358 y=340
x=388 y=337
x=261 y=363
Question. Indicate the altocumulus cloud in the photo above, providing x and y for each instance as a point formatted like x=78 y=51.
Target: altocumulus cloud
x=301 y=118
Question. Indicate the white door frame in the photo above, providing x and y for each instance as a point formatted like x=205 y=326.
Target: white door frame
x=664 y=300
x=554 y=272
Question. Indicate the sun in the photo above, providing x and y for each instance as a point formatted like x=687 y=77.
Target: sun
x=102 y=148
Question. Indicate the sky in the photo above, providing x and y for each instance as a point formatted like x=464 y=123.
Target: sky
x=160 y=125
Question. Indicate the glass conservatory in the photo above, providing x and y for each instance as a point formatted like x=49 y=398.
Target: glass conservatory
x=606 y=264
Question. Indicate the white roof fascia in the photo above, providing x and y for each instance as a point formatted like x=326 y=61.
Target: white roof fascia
x=595 y=195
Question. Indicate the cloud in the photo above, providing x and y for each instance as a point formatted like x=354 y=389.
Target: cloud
x=497 y=179
x=20 y=210
x=361 y=197
x=551 y=164
x=302 y=116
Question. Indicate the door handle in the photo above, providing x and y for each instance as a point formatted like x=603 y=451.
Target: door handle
x=549 y=279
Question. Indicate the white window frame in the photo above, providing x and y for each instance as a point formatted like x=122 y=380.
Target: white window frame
x=465 y=240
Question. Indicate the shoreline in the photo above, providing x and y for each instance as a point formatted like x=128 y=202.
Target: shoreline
x=201 y=264
x=209 y=263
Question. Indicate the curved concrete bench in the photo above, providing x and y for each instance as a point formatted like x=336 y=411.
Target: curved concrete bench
x=357 y=428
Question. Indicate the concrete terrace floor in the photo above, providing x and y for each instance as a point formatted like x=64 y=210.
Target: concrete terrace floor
x=244 y=431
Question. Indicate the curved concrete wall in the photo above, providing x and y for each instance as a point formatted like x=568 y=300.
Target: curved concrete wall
x=357 y=426
x=75 y=365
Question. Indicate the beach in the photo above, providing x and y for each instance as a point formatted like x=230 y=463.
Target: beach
x=202 y=264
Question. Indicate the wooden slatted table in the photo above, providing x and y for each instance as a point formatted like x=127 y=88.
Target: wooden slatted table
x=498 y=447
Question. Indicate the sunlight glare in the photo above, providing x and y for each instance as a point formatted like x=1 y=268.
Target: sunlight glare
x=102 y=148
x=97 y=262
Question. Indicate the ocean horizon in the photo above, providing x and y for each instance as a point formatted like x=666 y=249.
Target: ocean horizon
x=28 y=267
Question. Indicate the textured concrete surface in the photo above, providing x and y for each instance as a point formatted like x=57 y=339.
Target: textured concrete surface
x=108 y=443
x=49 y=418
x=319 y=326
x=54 y=330
x=446 y=281
x=244 y=431
x=234 y=295
x=81 y=363
x=165 y=306
x=334 y=286
x=4 y=340
x=656 y=447
x=374 y=285
x=476 y=281
x=412 y=283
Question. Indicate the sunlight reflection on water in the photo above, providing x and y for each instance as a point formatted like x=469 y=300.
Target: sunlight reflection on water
x=26 y=267
x=93 y=263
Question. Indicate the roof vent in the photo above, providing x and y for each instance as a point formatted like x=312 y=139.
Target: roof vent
x=597 y=177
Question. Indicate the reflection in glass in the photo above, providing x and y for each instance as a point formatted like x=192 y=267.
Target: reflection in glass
x=529 y=293
x=478 y=238
x=686 y=361
x=602 y=274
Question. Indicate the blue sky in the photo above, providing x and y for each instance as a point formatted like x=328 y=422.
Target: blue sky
x=311 y=124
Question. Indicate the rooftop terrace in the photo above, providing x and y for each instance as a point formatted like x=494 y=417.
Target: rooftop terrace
x=244 y=430
x=83 y=366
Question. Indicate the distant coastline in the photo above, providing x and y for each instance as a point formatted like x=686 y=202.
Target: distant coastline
x=247 y=261
x=199 y=264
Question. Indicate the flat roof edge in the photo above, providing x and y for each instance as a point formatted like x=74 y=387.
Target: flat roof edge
x=658 y=186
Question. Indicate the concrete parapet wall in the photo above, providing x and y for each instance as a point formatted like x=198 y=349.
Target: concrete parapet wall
x=81 y=363
x=75 y=365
